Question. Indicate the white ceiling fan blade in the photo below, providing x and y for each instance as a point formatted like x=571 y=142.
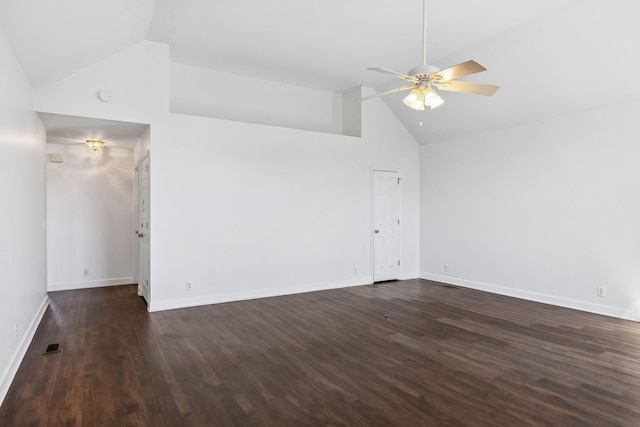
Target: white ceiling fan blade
x=457 y=71
x=410 y=79
x=468 y=87
x=398 y=89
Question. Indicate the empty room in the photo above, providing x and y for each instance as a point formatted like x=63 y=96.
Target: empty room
x=221 y=213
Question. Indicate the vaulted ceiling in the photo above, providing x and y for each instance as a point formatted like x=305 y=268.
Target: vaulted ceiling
x=550 y=57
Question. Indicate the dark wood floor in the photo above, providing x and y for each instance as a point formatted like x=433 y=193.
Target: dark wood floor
x=443 y=356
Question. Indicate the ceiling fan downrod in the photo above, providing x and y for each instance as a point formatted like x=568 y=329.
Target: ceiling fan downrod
x=424 y=33
x=424 y=70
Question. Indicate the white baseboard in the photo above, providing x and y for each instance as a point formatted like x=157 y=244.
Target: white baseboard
x=410 y=276
x=604 y=310
x=53 y=287
x=259 y=293
x=16 y=359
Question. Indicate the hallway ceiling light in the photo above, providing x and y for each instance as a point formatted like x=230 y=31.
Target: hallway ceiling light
x=95 y=145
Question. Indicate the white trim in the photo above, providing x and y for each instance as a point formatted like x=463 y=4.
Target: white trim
x=371 y=220
x=9 y=374
x=605 y=310
x=146 y=156
x=53 y=287
x=248 y=295
x=384 y=169
x=409 y=276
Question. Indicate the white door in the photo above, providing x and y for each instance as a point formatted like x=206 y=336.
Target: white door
x=386 y=225
x=143 y=229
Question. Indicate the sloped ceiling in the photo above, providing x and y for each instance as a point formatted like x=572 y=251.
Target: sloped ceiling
x=53 y=39
x=550 y=57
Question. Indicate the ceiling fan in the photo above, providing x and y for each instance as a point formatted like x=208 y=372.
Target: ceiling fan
x=424 y=79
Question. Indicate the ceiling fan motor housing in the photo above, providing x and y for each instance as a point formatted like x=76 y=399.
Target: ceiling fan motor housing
x=423 y=71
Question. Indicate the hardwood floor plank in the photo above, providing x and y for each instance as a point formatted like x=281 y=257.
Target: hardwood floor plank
x=442 y=356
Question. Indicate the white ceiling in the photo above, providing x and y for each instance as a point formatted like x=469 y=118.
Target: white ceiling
x=550 y=57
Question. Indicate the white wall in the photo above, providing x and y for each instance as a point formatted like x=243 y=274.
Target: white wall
x=247 y=210
x=89 y=217
x=352 y=112
x=547 y=211
x=208 y=93
x=137 y=79
x=143 y=146
x=543 y=211
x=22 y=216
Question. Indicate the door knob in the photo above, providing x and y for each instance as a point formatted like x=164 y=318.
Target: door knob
x=376 y=231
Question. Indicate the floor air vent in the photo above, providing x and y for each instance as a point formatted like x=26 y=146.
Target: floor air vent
x=53 y=348
x=451 y=287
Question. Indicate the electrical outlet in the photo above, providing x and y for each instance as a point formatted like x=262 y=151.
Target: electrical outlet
x=602 y=291
x=446 y=267
x=86 y=272
x=17 y=335
x=355 y=270
x=188 y=286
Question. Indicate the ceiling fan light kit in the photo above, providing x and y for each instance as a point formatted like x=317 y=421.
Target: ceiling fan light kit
x=422 y=97
x=424 y=79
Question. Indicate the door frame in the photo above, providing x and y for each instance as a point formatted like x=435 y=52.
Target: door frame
x=146 y=156
x=372 y=222
x=136 y=221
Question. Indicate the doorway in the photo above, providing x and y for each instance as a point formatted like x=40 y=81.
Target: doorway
x=90 y=201
x=386 y=224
